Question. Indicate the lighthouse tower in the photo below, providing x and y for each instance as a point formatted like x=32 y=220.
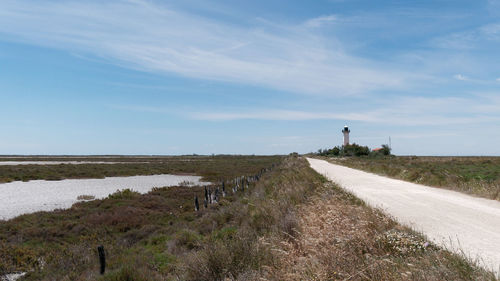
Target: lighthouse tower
x=346 y=132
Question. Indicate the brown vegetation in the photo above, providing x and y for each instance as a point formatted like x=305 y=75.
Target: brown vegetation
x=340 y=238
x=290 y=225
x=85 y=197
x=211 y=168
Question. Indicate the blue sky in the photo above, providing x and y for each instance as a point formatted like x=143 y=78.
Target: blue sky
x=248 y=77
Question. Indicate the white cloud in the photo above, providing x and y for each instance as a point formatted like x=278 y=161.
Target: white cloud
x=474 y=108
x=469 y=39
x=498 y=79
x=492 y=31
x=320 y=21
x=147 y=36
x=460 y=41
x=414 y=111
x=379 y=116
x=460 y=77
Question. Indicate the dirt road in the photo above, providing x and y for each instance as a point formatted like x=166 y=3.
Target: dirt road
x=451 y=219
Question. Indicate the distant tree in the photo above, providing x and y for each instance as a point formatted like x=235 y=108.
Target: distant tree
x=346 y=150
x=355 y=150
x=386 y=150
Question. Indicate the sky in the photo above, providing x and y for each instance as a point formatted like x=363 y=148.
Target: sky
x=248 y=77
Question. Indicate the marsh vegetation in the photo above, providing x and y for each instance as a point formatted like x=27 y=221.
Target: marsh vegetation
x=41 y=195
x=211 y=168
x=290 y=225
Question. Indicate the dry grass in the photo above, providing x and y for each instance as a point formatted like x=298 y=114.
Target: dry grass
x=339 y=238
x=240 y=252
x=291 y=225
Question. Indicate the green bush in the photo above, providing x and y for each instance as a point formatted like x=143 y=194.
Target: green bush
x=346 y=150
x=355 y=150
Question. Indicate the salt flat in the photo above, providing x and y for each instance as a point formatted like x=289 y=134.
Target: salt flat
x=18 y=197
x=454 y=220
x=15 y=163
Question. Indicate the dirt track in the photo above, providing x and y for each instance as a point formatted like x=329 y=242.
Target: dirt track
x=451 y=219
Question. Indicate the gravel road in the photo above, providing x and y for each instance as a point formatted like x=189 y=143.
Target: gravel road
x=454 y=220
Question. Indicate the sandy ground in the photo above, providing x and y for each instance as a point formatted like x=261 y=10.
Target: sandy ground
x=18 y=197
x=456 y=221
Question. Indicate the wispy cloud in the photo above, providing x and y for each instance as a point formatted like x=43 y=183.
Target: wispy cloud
x=148 y=36
x=475 y=108
x=462 y=77
x=319 y=21
x=278 y=114
x=415 y=111
x=138 y=108
x=459 y=41
x=468 y=39
x=409 y=136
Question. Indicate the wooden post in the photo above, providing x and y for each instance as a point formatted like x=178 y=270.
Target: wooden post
x=102 y=258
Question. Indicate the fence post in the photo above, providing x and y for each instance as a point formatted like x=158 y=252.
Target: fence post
x=102 y=258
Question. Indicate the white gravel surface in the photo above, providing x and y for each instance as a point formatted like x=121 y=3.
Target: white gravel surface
x=12 y=276
x=454 y=220
x=18 y=197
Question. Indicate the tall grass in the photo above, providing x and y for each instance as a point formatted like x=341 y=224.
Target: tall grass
x=268 y=210
x=338 y=237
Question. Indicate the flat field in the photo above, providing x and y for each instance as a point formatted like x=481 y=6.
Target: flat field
x=479 y=176
x=292 y=224
x=211 y=168
x=63 y=242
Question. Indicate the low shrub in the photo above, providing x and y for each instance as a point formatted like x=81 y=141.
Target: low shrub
x=85 y=197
